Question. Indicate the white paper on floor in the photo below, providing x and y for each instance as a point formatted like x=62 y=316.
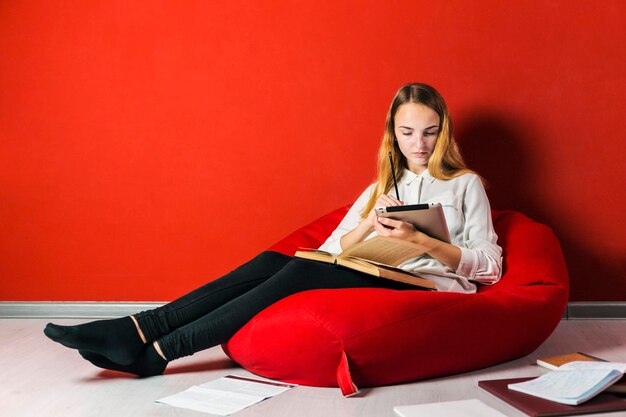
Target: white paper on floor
x=227 y=395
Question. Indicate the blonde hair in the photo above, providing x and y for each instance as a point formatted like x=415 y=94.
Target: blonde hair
x=445 y=162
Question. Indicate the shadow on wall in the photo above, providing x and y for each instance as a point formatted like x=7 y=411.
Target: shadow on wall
x=496 y=147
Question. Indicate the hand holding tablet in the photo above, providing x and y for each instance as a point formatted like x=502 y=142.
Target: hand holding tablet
x=427 y=218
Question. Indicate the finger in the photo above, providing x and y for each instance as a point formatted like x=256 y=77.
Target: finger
x=389 y=222
x=384 y=200
x=380 y=229
x=394 y=201
x=393 y=198
x=405 y=225
x=387 y=203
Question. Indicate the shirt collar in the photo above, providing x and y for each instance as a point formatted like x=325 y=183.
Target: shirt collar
x=410 y=176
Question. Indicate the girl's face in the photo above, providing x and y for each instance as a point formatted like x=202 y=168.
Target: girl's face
x=416 y=129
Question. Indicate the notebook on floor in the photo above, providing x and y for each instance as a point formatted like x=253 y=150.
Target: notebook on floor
x=538 y=407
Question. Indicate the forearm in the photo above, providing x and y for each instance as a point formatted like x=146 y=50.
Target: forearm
x=446 y=253
x=356 y=235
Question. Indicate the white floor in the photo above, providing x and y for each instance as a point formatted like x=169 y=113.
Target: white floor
x=42 y=378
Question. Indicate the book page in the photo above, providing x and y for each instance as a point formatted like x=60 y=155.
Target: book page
x=581 y=365
x=227 y=395
x=386 y=250
x=315 y=255
x=302 y=248
x=248 y=386
x=568 y=387
x=210 y=401
x=382 y=265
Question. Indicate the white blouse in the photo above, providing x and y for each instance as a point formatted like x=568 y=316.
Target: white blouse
x=468 y=214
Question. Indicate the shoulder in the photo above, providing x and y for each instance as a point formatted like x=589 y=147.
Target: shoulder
x=469 y=186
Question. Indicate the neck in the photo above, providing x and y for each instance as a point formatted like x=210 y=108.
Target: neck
x=418 y=169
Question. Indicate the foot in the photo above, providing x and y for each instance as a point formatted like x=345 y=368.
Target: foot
x=148 y=363
x=117 y=340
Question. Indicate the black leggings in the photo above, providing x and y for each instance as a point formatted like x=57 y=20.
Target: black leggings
x=213 y=313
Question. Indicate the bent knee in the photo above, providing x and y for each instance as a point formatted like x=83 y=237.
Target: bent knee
x=308 y=265
x=271 y=256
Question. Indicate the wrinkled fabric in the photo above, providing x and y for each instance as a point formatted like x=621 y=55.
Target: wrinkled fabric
x=468 y=216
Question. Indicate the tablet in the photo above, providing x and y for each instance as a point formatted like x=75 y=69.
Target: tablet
x=427 y=218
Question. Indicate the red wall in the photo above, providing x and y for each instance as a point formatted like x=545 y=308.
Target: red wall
x=146 y=148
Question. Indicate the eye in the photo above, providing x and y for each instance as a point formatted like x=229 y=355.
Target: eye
x=406 y=134
x=429 y=133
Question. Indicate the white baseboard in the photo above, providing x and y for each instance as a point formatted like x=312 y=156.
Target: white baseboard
x=73 y=309
x=576 y=310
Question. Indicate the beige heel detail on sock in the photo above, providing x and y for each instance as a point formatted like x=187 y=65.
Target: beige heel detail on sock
x=158 y=349
x=143 y=338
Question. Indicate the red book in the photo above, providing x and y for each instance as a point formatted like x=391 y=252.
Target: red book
x=538 y=407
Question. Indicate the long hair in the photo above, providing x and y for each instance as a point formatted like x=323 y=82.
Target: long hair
x=445 y=162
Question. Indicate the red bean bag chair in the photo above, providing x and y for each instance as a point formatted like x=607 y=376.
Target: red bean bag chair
x=373 y=336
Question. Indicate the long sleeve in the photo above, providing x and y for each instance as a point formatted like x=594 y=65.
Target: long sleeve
x=481 y=257
x=468 y=215
x=349 y=222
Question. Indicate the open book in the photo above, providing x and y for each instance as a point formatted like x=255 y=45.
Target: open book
x=573 y=383
x=554 y=362
x=378 y=256
x=538 y=407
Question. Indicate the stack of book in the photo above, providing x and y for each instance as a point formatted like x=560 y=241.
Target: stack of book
x=578 y=384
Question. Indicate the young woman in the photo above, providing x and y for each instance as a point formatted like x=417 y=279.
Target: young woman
x=418 y=133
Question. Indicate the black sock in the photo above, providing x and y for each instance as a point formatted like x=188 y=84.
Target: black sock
x=116 y=339
x=148 y=363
